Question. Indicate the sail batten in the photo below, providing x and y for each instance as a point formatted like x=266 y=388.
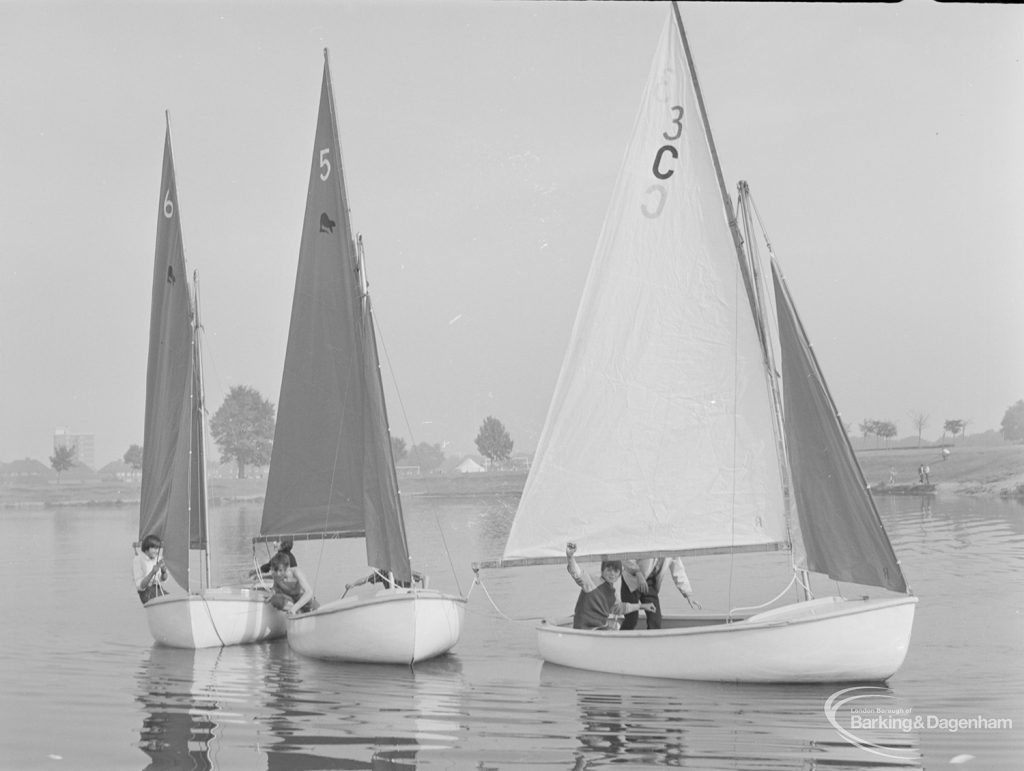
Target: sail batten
x=330 y=468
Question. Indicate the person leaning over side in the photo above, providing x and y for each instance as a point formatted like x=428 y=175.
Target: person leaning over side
x=149 y=570
x=292 y=592
x=598 y=604
x=654 y=571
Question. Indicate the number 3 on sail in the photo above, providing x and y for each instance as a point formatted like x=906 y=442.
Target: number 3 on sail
x=671 y=433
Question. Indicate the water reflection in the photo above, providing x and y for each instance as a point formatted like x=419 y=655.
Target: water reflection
x=723 y=725
x=178 y=726
x=492 y=704
x=261 y=706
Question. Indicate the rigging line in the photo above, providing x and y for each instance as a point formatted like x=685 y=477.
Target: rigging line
x=394 y=380
x=735 y=417
x=213 y=624
x=448 y=554
x=764 y=604
x=760 y=222
x=494 y=605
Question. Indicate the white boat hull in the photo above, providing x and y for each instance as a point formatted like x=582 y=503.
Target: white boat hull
x=824 y=640
x=214 y=618
x=394 y=626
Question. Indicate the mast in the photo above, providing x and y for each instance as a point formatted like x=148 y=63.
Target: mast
x=772 y=373
x=199 y=407
x=726 y=200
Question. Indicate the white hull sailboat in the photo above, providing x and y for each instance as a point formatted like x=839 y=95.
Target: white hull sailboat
x=214 y=618
x=332 y=474
x=173 y=502
x=830 y=639
x=416 y=624
x=691 y=418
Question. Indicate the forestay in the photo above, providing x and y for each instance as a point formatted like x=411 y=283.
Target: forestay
x=331 y=472
x=660 y=433
x=173 y=496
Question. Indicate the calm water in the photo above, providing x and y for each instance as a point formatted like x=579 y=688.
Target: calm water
x=84 y=688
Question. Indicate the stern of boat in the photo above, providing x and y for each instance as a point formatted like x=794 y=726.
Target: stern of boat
x=215 y=618
x=392 y=626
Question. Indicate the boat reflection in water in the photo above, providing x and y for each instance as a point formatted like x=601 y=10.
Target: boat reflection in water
x=179 y=725
x=673 y=723
x=263 y=706
x=330 y=715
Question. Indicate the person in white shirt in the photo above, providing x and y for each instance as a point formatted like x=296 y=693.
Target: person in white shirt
x=653 y=571
x=148 y=569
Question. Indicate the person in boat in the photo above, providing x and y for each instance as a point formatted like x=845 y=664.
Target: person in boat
x=653 y=572
x=380 y=577
x=632 y=590
x=599 y=605
x=149 y=570
x=292 y=592
x=284 y=548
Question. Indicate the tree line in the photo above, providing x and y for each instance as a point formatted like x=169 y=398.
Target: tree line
x=243 y=428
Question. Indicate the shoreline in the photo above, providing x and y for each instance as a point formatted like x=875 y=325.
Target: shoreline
x=989 y=471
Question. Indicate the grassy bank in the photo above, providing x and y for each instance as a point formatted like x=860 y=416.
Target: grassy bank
x=995 y=471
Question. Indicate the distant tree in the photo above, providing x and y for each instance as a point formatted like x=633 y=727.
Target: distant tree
x=62 y=459
x=867 y=427
x=133 y=456
x=1012 y=425
x=398 y=450
x=885 y=429
x=918 y=420
x=427 y=456
x=244 y=428
x=953 y=427
x=493 y=441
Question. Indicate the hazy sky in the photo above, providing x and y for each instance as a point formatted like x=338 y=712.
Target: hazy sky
x=882 y=144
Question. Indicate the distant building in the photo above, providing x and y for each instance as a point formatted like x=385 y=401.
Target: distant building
x=27 y=470
x=469 y=466
x=84 y=445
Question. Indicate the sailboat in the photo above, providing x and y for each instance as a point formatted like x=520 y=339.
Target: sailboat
x=670 y=432
x=332 y=474
x=173 y=501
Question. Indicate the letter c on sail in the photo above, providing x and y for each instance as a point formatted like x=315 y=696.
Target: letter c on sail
x=657 y=161
x=662 y=195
